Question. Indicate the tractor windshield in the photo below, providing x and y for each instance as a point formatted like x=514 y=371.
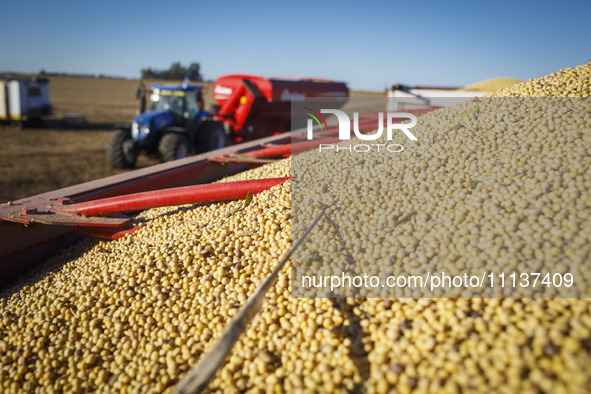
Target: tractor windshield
x=173 y=101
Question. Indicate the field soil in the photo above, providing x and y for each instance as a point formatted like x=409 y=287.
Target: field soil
x=61 y=154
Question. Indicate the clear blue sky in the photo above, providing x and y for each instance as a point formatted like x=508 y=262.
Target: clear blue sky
x=369 y=44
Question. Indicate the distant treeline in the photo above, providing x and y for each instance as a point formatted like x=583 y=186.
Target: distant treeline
x=80 y=75
x=176 y=72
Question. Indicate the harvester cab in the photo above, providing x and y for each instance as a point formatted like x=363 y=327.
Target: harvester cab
x=174 y=127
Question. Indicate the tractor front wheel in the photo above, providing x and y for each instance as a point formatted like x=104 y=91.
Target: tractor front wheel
x=120 y=150
x=174 y=146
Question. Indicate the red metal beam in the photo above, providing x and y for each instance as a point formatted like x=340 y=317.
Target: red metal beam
x=169 y=197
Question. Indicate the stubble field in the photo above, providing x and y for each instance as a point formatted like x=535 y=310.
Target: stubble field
x=36 y=160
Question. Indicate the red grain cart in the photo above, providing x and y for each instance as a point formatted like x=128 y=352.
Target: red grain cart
x=253 y=107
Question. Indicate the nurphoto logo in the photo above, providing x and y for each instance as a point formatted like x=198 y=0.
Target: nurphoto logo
x=393 y=120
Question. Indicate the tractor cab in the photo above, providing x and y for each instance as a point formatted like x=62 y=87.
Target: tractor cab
x=184 y=102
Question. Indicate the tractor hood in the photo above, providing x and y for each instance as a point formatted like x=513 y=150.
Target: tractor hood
x=156 y=119
x=144 y=123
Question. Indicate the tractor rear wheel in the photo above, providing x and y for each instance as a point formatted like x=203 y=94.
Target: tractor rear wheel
x=211 y=136
x=174 y=146
x=120 y=150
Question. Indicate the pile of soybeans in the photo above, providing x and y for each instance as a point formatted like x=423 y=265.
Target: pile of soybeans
x=133 y=315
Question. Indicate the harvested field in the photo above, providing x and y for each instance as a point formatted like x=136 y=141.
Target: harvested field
x=37 y=160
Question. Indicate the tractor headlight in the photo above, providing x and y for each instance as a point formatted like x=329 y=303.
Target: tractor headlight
x=139 y=132
x=144 y=131
x=134 y=130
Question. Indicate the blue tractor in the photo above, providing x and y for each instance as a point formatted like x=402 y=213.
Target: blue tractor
x=176 y=126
